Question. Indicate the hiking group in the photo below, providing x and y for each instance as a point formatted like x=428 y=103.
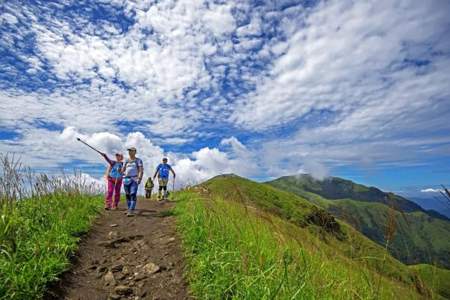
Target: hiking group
x=129 y=173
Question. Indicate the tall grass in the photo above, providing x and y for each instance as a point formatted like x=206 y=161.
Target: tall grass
x=436 y=278
x=389 y=233
x=238 y=252
x=41 y=218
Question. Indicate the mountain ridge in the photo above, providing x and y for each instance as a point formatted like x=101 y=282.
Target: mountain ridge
x=334 y=188
x=420 y=236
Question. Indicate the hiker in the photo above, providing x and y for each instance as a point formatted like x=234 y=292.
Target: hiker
x=114 y=179
x=148 y=188
x=163 y=177
x=133 y=170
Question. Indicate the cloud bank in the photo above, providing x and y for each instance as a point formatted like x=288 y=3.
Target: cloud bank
x=261 y=90
x=431 y=190
x=190 y=168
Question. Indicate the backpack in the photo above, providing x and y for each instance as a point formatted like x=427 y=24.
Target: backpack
x=149 y=184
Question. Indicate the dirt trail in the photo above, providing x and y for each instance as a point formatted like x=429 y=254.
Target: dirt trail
x=127 y=258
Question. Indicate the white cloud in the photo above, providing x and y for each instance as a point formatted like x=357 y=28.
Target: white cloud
x=236 y=145
x=341 y=83
x=347 y=58
x=316 y=169
x=90 y=183
x=252 y=28
x=110 y=143
x=431 y=190
x=54 y=149
x=8 y=18
x=369 y=68
x=106 y=141
x=219 y=19
x=166 y=62
x=160 y=57
x=208 y=162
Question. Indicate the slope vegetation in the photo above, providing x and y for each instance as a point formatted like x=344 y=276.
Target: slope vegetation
x=419 y=237
x=246 y=240
x=436 y=278
x=339 y=188
x=37 y=236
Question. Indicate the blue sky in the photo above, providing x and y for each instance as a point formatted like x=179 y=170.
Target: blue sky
x=358 y=89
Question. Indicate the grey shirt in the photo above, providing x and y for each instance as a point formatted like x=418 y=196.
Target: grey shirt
x=132 y=167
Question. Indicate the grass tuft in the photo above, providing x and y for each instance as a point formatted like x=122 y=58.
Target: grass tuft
x=41 y=219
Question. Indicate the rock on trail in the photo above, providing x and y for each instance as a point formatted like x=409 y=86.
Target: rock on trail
x=127 y=258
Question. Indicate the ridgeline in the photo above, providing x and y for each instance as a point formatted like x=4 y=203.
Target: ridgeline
x=420 y=236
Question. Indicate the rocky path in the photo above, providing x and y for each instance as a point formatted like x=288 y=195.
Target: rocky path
x=127 y=258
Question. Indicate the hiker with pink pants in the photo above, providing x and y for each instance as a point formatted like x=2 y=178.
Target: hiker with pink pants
x=114 y=181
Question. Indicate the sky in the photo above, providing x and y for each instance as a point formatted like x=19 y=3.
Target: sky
x=357 y=89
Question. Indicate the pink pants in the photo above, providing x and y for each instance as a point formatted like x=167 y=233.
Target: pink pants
x=114 y=186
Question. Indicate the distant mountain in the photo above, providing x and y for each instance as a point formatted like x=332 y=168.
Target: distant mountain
x=338 y=188
x=433 y=204
x=421 y=236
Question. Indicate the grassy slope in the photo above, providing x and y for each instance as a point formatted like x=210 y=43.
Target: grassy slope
x=280 y=218
x=36 y=238
x=437 y=278
x=238 y=252
x=419 y=237
x=281 y=203
x=295 y=209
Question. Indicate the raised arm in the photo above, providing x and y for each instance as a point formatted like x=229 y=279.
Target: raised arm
x=110 y=162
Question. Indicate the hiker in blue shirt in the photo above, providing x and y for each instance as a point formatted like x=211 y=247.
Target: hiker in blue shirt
x=162 y=171
x=133 y=170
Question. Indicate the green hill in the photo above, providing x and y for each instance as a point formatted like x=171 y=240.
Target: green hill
x=419 y=237
x=338 y=188
x=436 y=278
x=247 y=240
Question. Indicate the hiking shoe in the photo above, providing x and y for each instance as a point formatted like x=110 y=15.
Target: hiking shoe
x=130 y=214
x=107 y=208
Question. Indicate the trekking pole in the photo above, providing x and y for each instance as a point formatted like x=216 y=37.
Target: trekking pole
x=80 y=140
